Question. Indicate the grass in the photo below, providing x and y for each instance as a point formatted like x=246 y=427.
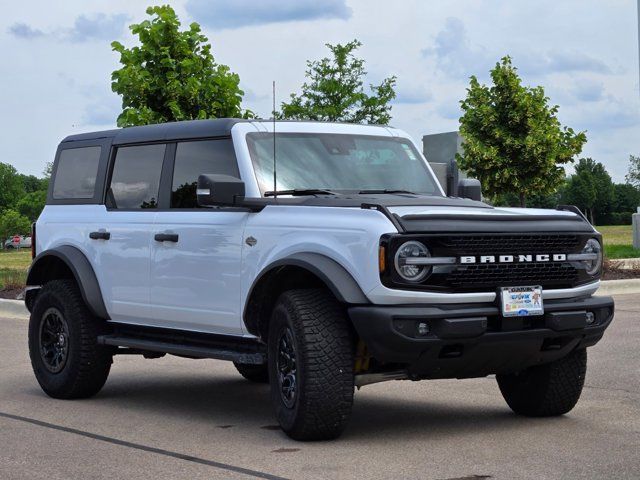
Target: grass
x=618 y=241
x=13 y=267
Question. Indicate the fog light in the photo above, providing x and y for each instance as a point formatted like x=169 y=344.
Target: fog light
x=423 y=329
x=591 y=318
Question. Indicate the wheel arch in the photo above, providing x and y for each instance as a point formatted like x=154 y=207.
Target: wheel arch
x=67 y=261
x=301 y=270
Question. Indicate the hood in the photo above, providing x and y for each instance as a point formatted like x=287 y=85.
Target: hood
x=453 y=219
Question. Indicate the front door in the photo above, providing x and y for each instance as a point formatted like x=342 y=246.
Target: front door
x=196 y=252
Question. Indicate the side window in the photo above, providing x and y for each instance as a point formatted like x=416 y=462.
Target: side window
x=195 y=158
x=135 y=180
x=76 y=173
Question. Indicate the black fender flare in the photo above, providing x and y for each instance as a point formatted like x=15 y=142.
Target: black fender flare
x=343 y=286
x=82 y=271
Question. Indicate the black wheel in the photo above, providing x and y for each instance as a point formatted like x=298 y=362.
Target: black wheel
x=253 y=373
x=67 y=361
x=310 y=360
x=546 y=390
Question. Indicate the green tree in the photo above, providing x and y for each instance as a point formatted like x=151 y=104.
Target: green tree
x=626 y=199
x=334 y=91
x=581 y=192
x=31 y=183
x=602 y=184
x=11 y=186
x=12 y=223
x=598 y=196
x=513 y=140
x=31 y=204
x=535 y=200
x=172 y=75
x=633 y=177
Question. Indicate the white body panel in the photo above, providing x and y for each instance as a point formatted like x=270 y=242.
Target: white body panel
x=121 y=264
x=195 y=283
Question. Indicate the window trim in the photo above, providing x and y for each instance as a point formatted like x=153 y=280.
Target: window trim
x=98 y=193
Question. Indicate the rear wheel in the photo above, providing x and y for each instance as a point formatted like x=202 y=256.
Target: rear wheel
x=253 y=373
x=310 y=362
x=546 y=390
x=66 y=359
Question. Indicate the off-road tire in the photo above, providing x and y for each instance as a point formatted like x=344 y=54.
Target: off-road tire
x=87 y=364
x=324 y=350
x=253 y=373
x=546 y=390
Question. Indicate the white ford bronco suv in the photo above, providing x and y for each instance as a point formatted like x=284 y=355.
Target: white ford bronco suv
x=345 y=266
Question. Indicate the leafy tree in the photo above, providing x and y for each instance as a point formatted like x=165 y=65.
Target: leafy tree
x=602 y=184
x=335 y=91
x=31 y=204
x=598 y=196
x=534 y=200
x=11 y=187
x=633 y=177
x=581 y=192
x=172 y=75
x=31 y=183
x=513 y=140
x=12 y=223
x=626 y=198
x=48 y=170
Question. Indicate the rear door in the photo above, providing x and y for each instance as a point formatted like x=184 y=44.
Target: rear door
x=196 y=252
x=124 y=233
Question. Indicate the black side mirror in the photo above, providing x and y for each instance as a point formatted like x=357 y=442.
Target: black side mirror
x=219 y=191
x=470 y=188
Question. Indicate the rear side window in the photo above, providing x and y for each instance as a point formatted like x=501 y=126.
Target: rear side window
x=135 y=180
x=76 y=173
x=196 y=158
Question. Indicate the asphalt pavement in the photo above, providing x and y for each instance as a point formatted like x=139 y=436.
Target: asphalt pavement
x=191 y=419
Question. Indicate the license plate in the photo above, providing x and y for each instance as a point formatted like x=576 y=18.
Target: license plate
x=522 y=301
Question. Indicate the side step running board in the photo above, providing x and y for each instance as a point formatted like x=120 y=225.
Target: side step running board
x=195 y=347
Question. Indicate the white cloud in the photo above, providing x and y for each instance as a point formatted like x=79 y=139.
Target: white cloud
x=99 y=26
x=220 y=14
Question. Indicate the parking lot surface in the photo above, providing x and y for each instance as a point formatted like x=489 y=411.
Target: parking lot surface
x=179 y=418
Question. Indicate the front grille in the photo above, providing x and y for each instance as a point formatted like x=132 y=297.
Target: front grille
x=511 y=244
x=490 y=276
x=512 y=274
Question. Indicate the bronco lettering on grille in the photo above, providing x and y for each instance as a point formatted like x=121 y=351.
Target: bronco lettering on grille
x=556 y=257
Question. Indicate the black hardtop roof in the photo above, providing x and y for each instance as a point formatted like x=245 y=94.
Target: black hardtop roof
x=218 y=127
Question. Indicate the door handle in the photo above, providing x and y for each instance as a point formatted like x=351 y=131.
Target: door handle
x=166 y=237
x=101 y=235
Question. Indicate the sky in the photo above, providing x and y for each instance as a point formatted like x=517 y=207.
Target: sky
x=57 y=61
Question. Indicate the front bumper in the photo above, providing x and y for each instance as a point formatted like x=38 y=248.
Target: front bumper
x=474 y=340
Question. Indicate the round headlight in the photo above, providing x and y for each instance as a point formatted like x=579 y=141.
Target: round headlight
x=594 y=250
x=408 y=253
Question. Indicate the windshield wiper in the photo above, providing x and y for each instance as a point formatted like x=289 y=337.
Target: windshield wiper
x=302 y=191
x=386 y=191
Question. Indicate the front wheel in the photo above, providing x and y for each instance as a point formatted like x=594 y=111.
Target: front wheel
x=65 y=356
x=546 y=390
x=310 y=358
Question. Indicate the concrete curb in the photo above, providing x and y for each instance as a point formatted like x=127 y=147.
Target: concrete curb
x=13 y=308
x=619 y=287
x=16 y=308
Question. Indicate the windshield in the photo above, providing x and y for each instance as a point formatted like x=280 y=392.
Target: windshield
x=339 y=162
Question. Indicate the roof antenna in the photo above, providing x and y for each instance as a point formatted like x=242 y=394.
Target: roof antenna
x=275 y=186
